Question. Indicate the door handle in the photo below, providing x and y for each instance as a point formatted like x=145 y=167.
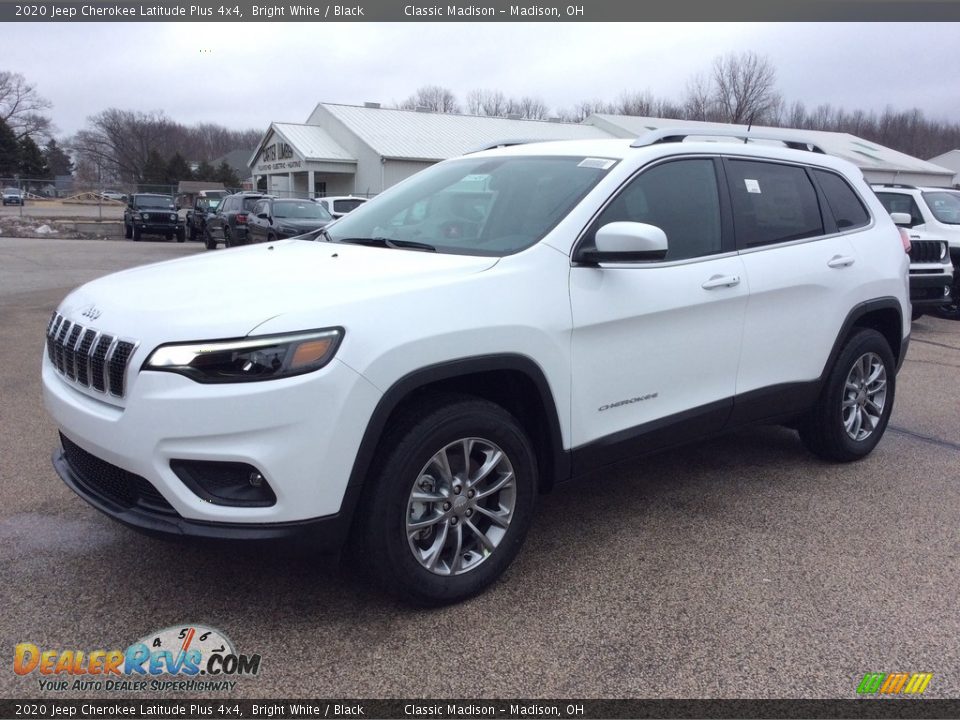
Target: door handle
x=718 y=281
x=841 y=261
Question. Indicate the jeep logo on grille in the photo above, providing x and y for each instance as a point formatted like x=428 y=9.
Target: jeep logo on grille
x=91 y=312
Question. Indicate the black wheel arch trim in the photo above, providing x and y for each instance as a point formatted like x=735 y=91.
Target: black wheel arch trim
x=426 y=376
x=855 y=314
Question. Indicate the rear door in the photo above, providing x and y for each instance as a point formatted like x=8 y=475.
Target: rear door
x=804 y=276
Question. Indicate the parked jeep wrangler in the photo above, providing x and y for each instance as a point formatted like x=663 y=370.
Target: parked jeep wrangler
x=152 y=214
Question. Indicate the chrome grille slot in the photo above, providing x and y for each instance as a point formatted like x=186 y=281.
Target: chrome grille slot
x=98 y=363
x=87 y=357
x=70 y=352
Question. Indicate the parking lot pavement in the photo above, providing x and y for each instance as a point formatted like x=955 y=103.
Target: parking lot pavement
x=738 y=568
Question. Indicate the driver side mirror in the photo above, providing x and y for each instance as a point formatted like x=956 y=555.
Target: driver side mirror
x=626 y=242
x=901 y=218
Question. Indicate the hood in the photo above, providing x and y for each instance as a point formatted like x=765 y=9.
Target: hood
x=228 y=293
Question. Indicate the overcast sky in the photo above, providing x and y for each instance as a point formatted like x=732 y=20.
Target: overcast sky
x=246 y=75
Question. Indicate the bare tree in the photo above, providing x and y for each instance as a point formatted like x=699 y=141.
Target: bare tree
x=21 y=107
x=744 y=87
x=640 y=104
x=432 y=97
x=487 y=102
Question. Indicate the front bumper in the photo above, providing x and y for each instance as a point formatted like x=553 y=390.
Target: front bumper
x=927 y=290
x=327 y=532
x=301 y=433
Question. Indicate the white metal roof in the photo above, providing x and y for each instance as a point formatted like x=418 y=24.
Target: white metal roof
x=862 y=153
x=412 y=135
x=312 y=142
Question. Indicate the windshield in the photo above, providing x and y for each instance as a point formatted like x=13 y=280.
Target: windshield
x=476 y=205
x=163 y=203
x=300 y=210
x=945 y=206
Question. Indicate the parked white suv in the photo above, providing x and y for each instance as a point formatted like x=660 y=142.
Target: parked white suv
x=934 y=217
x=492 y=326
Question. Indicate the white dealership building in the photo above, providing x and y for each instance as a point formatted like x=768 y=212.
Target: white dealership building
x=362 y=150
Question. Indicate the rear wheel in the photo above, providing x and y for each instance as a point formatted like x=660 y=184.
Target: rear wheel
x=181 y=235
x=449 y=503
x=127 y=231
x=209 y=240
x=854 y=407
x=227 y=240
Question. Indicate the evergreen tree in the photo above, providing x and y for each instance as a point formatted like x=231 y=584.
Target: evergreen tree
x=9 y=152
x=154 y=170
x=227 y=175
x=205 y=172
x=57 y=160
x=177 y=170
x=33 y=165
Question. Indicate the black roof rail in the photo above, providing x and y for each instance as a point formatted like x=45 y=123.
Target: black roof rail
x=679 y=134
x=902 y=186
x=499 y=144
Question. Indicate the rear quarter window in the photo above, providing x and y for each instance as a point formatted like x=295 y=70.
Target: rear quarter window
x=848 y=211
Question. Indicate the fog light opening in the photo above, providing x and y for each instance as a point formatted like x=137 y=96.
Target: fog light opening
x=225 y=483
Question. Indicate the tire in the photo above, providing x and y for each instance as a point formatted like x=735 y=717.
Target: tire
x=426 y=566
x=181 y=235
x=227 y=240
x=835 y=427
x=209 y=241
x=127 y=231
x=948 y=311
x=136 y=234
x=193 y=233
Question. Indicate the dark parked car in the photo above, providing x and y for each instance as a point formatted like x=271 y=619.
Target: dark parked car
x=229 y=224
x=150 y=214
x=204 y=207
x=279 y=218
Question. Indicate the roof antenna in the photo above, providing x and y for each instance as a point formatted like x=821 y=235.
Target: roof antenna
x=749 y=126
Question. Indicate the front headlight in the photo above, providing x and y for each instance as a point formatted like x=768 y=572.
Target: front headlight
x=248 y=359
x=138 y=216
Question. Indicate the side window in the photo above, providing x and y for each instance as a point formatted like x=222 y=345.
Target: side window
x=681 y=198
x=260 y=207
x=898 y=202
x=772 y=203
x=228 y=205
x=847 y=209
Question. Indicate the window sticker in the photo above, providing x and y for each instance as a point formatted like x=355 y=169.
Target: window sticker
x=596 y=163
x=752 y=185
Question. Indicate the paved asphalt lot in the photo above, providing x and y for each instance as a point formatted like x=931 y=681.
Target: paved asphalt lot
x=739 y=568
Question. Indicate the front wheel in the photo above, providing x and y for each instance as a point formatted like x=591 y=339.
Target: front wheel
x=181 y=235
x=449 y=503
x=137 y=234
x=209 y=240
x=854 y=407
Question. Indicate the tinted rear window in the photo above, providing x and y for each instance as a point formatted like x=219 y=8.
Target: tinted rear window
x=772 y=203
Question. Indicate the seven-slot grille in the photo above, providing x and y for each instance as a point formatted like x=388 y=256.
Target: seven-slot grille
x=925 y=251
x=89 y=357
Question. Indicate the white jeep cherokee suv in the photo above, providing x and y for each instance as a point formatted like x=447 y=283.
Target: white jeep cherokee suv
x=494 y=325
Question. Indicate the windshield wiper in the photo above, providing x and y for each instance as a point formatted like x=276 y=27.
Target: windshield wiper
x=388 y=243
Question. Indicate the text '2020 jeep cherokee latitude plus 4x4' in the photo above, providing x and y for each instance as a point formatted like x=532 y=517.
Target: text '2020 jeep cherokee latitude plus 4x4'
x=493 y=325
